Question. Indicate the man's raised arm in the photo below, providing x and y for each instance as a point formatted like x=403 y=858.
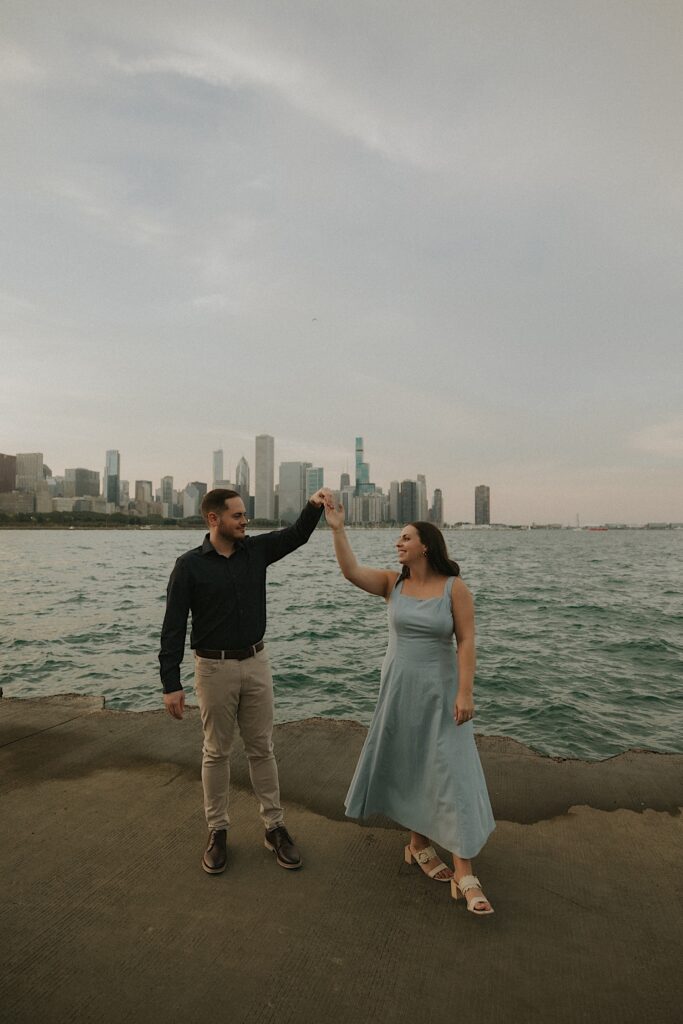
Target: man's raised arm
x=282 y=542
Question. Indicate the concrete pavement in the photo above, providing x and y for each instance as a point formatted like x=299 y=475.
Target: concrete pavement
x=107 y=916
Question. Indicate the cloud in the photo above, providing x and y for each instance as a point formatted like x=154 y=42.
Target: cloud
x=104 y=201
x=303 y=86
x=18 y=66
x=661 y=438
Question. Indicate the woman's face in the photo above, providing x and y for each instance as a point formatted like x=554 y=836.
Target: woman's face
x=409 y=546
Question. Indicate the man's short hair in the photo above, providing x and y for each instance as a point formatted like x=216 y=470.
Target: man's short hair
x=214 y=501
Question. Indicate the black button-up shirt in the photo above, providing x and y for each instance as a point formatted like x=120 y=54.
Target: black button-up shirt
x=227 y=596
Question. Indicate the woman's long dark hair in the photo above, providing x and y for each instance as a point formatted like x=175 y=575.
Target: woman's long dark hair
x=437 y=552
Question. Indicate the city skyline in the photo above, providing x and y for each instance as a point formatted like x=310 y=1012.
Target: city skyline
x=450 y=229
x=296 y=481
x=402 y=500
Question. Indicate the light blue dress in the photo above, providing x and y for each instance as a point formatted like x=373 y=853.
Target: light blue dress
x=417 y=767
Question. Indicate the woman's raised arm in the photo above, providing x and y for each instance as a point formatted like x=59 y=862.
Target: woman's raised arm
x=374 y=581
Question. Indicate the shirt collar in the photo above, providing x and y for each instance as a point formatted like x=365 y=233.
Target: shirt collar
x=207 y=546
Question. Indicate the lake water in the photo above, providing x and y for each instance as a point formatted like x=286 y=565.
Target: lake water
x=579 y=634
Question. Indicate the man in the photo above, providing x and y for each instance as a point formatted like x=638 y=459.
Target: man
x=223 y=584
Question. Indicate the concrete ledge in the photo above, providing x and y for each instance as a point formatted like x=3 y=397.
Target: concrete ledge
x=106 y=915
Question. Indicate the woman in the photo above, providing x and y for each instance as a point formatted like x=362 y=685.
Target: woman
x=419 y=764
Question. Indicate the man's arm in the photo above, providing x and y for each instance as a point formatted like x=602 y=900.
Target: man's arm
x=173 y=633
x=282 y=542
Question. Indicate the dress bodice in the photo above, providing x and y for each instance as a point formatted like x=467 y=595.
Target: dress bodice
x=425 y=620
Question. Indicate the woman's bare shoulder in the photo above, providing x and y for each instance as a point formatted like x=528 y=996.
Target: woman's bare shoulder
x=392 y=579
x=460 y=591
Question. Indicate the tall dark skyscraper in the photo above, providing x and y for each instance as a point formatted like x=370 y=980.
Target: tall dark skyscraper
x=112 y=477
x=363 y=485
x=407 y=502
x=482 y=505
x=436 y=510
x=8 y=472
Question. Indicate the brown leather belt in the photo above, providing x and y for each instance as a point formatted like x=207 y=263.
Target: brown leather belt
x=246 y=652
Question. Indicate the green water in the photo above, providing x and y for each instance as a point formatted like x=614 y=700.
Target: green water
x=580 y=635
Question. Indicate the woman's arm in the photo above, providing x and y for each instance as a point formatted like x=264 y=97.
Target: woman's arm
x=374 y=581
x=463 y=622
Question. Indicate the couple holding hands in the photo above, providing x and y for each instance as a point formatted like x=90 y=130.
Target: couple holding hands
x=419 y=764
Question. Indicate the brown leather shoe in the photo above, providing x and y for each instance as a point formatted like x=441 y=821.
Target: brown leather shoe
x=215 y=857
x=280 y=842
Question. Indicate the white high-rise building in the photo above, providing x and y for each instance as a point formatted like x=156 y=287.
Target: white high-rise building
x=377 y=507
x=346 y=499
x=217 y=467
x=264 y=490
x=191 y=500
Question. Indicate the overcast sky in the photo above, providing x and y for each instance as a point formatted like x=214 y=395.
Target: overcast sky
x=452 y=228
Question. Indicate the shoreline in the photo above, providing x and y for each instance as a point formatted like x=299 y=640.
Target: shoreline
x=524 y=784
x=372 y=527
x=484 y=740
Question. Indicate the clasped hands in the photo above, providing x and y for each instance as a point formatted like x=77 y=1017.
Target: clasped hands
x=324 y=497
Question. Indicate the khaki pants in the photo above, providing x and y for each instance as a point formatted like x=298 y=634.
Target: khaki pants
x=237 y=691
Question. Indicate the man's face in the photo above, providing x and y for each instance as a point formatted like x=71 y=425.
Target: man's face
x=231 y=524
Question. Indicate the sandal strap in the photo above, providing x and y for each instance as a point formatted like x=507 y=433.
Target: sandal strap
x=423 y=856
x=468 y=882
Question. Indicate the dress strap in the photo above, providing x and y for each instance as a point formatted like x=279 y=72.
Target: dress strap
x=447 y=590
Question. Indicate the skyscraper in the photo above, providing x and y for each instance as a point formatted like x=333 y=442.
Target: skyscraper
x=394 y=507
x=242 y=479
x=363 y=485
x=190 y=501
x=112 y=477
x=482 y=505
x=422 y=505
x=143 y=490
x=291 y=490
x=408 y=501
x=314 y=481
x=81 y=483
x=167 y=495
x=437 y=508
x=344 y=481
x=30 y=471
x=8 y=473
x=217 y=467
x=264 y=503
